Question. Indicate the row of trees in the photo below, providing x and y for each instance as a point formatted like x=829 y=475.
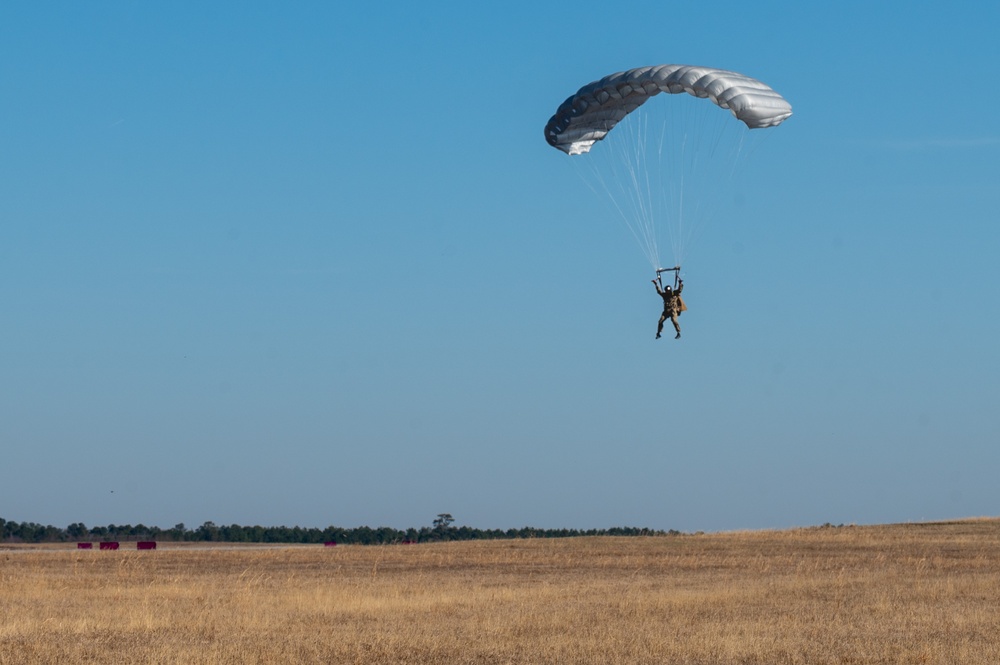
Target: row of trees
x=442 y=529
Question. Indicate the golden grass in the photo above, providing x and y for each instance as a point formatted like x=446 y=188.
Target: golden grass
x=927 y=593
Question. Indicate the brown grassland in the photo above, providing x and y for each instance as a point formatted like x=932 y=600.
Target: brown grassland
x=916 y=593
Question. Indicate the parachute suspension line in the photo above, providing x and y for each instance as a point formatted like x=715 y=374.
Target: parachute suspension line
x=633 y=157
x=616 y=192
x=660 y=182
x=735 y=162
x=749 y=143
x=620 y=168
x=706 y=169
x=697 y=158
x=644 y=190
x=671 y=181
x=678 y=229
x=662 y=170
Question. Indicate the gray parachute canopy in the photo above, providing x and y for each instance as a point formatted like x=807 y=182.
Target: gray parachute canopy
x=597 y=107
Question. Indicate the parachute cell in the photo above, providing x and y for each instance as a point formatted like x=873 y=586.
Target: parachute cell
x=587 y=116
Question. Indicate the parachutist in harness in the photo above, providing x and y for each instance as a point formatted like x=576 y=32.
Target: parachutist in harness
x=673 y=304
x=639 y=187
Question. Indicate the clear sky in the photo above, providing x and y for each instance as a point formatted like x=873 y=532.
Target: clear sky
x=314 y=264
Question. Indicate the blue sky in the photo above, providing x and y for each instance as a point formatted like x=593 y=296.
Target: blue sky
x=315 y=264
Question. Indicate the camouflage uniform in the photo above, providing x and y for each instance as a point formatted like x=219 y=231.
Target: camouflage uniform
x=672 y=306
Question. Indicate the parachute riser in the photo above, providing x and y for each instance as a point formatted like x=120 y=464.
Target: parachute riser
x=676 y=270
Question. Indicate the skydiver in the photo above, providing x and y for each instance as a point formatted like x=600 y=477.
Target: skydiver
x=673 y=305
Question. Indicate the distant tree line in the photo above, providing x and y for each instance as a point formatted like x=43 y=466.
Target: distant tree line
x=442 y=530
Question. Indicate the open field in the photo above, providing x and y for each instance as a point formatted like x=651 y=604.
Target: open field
x=919 y=593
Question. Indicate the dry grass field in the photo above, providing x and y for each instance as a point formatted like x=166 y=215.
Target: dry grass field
x=920 y=593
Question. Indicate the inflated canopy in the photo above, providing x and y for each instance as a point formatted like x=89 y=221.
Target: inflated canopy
x=597 y=107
